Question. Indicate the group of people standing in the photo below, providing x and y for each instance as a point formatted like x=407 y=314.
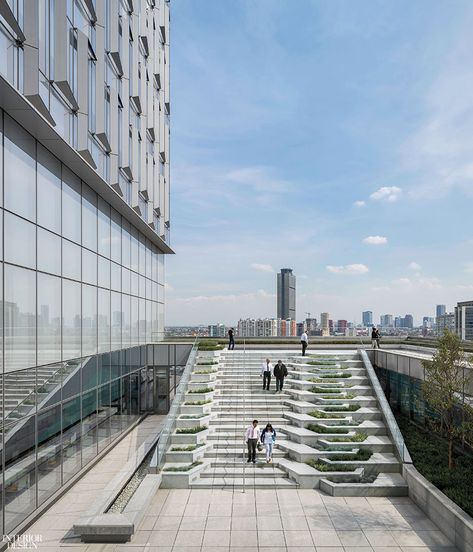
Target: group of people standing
x=279 y=371
x=254 y=436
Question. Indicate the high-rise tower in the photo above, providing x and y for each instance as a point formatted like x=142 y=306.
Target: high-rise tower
x=286 y=294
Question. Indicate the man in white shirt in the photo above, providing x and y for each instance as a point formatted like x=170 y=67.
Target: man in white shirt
x=304 y=342
x=252 y=436
x=266 y=369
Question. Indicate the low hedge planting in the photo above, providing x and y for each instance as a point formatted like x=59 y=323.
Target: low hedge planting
x=333 y=376
x=359 y=437
x=205 y=372
x=207 y=363
x=363 y=455
x=348 y=408
x=429 y=453
x=182 y=468
x=202 y=390
x=192 y=416
x=321 y=414
x=197 y=403
x=323 y=467
x=324 y=390
x=210 y=346
x=320 y=429
x=190 y=430
x=189 y=448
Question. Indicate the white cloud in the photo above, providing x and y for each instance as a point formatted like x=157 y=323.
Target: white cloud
x=359 y=203
x=386 y=193
x=262 y=267
x=350 y=269
x=375 y=240
x=414 y=266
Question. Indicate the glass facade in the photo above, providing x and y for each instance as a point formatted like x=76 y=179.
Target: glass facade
x=82 y=292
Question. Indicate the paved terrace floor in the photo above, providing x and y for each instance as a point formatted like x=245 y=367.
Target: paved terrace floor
x=217 y=520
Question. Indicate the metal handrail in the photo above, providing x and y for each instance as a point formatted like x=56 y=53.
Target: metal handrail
x=170 y=423
x=386 y=411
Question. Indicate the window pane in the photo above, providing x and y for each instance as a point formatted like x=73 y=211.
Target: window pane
x=89 y=267
x=134 y=283
x=103 y=320
x=49 y=190
x=71 y=260
x=117 y=317
x=126 y=320
x=126 y=243
x=20 y=241
x=20 y=170
x=89 y=218
x=71 y=315
x=116 y=277
x=142 y=255
x=149 y=256
x=134 y=321
x=104 y=273
x=49 y=319
x=49 y=252
x=19 y=318
x=116 y=237
x=125 y=280
x=89 y=320
x=71 y=206
x=134 y=249
x=103 y=227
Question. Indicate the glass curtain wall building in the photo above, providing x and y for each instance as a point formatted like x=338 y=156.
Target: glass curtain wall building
x=84 y=216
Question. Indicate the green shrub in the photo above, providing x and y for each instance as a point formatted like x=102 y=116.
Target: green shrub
x=333 y=376
x=197 y=403
x=189 y=448
x=357 y=438
x=320 y=429
x=342 y=408
x=209 y=346
x=363 y=455
x=202 y=390
x=205 y=372
x=190 y=430
x=324 y=390
x=323 y=467
x=192 y=416
x=322 y=362
x=207 y=363
x=182 y=468
x=320 y=414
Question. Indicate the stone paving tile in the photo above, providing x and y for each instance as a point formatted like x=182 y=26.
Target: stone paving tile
x=187 y=538
x=325 y=538
x=353 y=538
x=216 y=538
x=167 y=523
x=193 y=523
x=271 y=538
x=293 y=523
x=380 y=538
x=243 y=538
x=162 y=538
x=217 y=523
x=269 y=523
x=319 y=523
x=244 y=523
x=407 y=538
x=298 y=538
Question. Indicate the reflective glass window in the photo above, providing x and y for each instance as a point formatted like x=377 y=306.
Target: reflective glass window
x=49 y=252
x=126 y=321
x=71 y=260
x=49 y=318
x=20 y=241
x=149 y=259
x=103 y=320
x=19 y=318
x=134 y=320
x=104 y=272
x=71 y=205
x=89 y=218
x=103 y=228
x=89 y=320
x=116 y=277
x=49 y=190
x=126 y=280
x=49 y=452
x=135 y=249
x=89 y=267
x=117 y=317
x=134 y=284
x=142 y=255
x=19 y=170
x=71 y=441
x=71 y=315
x=161 y=268
x=116 y=236
x=126 y=244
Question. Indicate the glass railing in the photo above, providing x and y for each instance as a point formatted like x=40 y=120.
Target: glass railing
x=170 y=423
x=387 y=413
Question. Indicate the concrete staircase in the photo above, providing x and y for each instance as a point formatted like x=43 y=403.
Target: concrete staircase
x=330 y=432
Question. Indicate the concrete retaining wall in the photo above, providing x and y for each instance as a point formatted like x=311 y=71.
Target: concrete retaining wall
x=450 y=518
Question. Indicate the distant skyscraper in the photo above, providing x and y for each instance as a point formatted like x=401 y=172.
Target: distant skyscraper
x=386 y=320
x=464 y=320
x=440 y=310
x=286 y=294
x=324 y=323
x=367 y=318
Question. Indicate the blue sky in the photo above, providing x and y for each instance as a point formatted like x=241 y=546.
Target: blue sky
x=332 y=137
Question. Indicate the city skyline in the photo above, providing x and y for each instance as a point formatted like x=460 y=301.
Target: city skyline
x=337 y=171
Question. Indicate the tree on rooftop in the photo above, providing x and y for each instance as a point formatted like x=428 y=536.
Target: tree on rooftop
x=446 y=378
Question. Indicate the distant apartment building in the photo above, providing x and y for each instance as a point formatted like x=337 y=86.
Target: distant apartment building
x=440 y=310
x=367 y=318
x=286 y=296
x=464 y=320
x=444 y=322
x=342 y=325
x=386 y=321
x=217 y=330
x=325 y=323
x=266 y=327
x=408 y=322
x=311 y=326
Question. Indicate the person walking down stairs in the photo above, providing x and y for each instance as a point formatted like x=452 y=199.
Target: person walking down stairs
x=268 y=438
x=266 y=368
x=252 y=436
x=280 y=372
x=304 y=342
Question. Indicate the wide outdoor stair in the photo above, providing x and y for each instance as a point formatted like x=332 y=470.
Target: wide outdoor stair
x=330 y=429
